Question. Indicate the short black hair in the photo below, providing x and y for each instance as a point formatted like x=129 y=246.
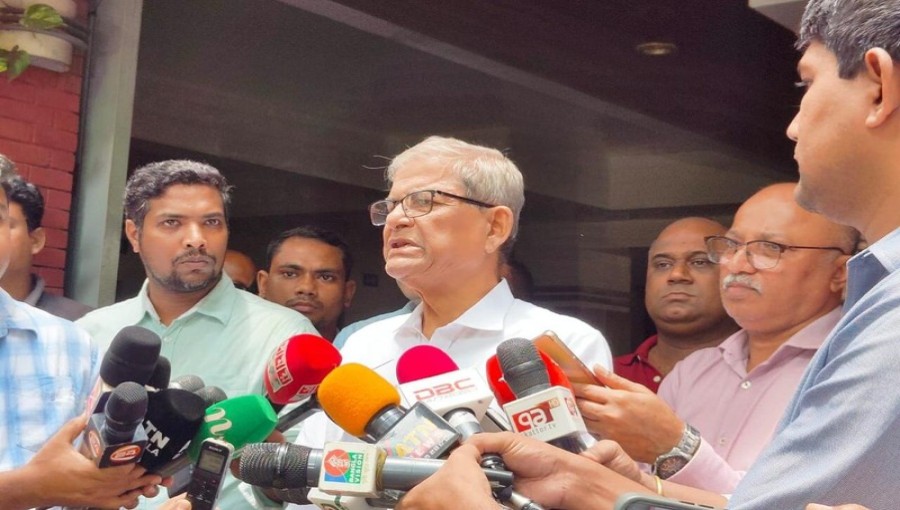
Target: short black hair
x=312 y=232
x=151 y=181
x=29 y=198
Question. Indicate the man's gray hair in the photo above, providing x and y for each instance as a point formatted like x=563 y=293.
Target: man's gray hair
x=151 y=181
x=849 y=28
x=487 y=174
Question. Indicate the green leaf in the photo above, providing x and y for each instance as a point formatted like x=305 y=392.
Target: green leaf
x=2 y=64
x=18 y=64
x=41 y=17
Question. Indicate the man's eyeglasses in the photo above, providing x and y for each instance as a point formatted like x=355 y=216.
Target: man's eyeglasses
x=417 y=203
x=760 y=254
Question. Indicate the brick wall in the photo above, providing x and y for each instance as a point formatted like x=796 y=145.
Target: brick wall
x=39 y=117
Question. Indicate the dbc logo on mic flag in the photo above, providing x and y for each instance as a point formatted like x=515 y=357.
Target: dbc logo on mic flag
x=444 y=389
x=343 y=467
x=537 y=416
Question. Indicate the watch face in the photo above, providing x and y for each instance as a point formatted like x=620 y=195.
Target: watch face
x=669 y=466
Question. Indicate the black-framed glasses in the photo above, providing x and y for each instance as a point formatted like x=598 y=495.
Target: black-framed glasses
x=760 y=254
x=417 y=203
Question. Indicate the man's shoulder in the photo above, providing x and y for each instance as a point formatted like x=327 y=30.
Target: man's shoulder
x=523 y=310
x=376 y=328
x=62 y=306
x=112 y=317
x=45 y=323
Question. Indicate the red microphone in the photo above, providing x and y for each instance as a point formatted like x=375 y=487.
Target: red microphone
x=427 y=374
x=297 y=367
x=502 y=391
x=293 y=375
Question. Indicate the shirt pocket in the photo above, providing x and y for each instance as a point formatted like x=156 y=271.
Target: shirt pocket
x=43 y=404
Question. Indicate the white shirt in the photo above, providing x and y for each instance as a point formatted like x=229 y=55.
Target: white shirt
x=470 y=340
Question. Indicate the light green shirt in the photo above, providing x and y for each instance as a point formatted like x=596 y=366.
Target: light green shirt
x=226 y=339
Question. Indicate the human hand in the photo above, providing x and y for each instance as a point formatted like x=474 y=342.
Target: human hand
x=60 y=475
x=460 y=483
x=611 y=455
x=176 y=503
x=629 y=414
x=554 y=477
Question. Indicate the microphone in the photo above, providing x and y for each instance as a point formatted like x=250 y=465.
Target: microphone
x=297 y=367
x=501 y=389
x=188 y=382
x=366 y=406
x=341 y=468
x=428 y=374
x=159 y=379
x=211 y=395
x=114 y=437
x=173 y=418
x=131 y=356
x=237 y=420
x=294 y=372
x=542 y=411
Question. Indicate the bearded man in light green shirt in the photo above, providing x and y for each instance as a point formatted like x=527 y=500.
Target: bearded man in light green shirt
x=176 y=219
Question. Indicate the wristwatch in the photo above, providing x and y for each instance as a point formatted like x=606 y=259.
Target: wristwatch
x=672 y=461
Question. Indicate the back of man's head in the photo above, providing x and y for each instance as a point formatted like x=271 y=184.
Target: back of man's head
x=849 y=28
x=151 y=181
x=486 y=173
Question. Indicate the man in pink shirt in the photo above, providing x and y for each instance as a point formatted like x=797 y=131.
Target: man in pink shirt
x=782 y=273
x=682 y=298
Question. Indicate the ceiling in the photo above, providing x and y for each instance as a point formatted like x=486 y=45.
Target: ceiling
x=304 y=100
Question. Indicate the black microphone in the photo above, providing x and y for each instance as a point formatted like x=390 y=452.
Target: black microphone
x=542 y=411
x=161 y=374
x=188 y=382
x=131 y=356
x=289 y=467
x=114 y=437
x=173 y=418
x=211 y=395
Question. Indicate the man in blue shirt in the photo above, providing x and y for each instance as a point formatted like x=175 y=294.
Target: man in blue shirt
x=46 y=367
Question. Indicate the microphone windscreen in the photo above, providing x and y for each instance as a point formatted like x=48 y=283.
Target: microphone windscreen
x=173 y=418
x=187 y=382
x=132 y=356
x=278 y=465
x=159 y=379
x=353 y=394
x=501 y=389
x=297 y=367
x=124 y=411
x=422 y=362
x=238 y=420
x=211 y=395
x=523 y=368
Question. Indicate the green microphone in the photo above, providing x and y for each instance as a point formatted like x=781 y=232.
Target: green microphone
x=238 y=420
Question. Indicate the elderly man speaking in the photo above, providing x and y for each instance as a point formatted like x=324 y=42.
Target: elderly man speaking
x=449 y=220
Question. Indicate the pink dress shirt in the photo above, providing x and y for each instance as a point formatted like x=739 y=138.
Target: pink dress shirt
x=737 y=413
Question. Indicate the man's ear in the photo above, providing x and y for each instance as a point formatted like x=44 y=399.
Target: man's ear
x=349 y=292
x=131 y=232
x=500 y=227
x=881 y=69
x=261 y=278
x=838 y=282
x=38 y=240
